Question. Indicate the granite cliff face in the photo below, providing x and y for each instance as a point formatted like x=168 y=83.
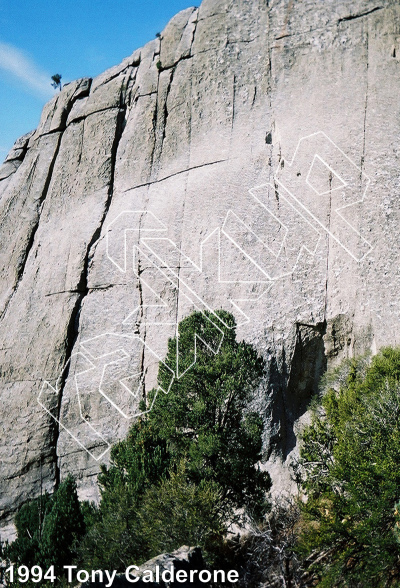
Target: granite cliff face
x=247 y=159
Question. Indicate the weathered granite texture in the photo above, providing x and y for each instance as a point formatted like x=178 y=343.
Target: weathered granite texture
x=167 y=146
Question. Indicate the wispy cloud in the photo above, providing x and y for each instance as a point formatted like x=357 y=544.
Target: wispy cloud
x=18 y=64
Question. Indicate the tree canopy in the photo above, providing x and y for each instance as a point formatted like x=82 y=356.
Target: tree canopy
x=187 y=468
x=349 y=469
x=56 y=81
x=205 y=416
x=48 y=529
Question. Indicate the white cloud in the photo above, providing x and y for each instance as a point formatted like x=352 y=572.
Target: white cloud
x=15 y=62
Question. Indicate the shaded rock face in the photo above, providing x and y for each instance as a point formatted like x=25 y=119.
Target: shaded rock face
x=247 y=159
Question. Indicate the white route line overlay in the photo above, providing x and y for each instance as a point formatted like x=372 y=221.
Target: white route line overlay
x=90 y=359
x=344 y=184
x=157 y=226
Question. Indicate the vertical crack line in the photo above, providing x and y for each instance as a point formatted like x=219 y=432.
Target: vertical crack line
x=276 y=191
x=141 y=298
x=141 y=319
x=365 y=106
x=194 y=30
x=73 y=326
x=141 y=322
x=233 y=101
x=180 y=257
x=154 y=123
x=269 y=95
x=254 y=96
x=81 y=143
x=190 y=115
x=284 y=384
x=31 y=240
x=328 y=245
x=131 y=85
x=165 y=114
x=74 y=98
x=190 y=119
x=70 y=339
x=120 y=126
x=183 y=32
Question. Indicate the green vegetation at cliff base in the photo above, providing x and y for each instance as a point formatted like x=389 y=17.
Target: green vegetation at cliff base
x=188 y=471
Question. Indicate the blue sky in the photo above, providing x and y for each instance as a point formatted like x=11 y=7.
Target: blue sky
x=76 y=38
